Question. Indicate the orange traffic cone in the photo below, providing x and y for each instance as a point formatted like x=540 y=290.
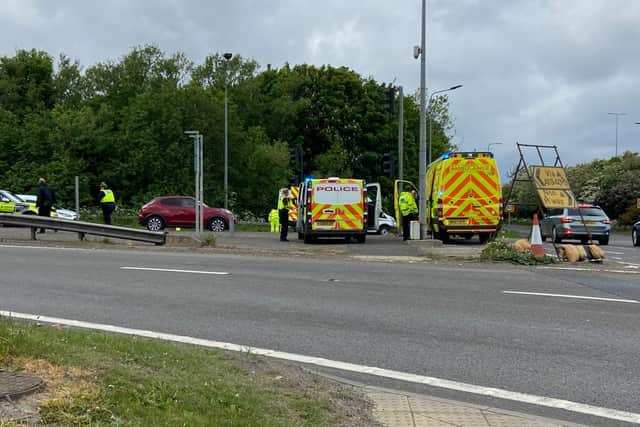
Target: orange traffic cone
x=537 y=249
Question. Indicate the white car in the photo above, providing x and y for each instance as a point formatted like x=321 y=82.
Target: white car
x=58 y=213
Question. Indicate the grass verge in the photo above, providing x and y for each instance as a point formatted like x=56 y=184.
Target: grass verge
x=101 y=379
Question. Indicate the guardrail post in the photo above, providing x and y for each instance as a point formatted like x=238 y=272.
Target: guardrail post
x=81 y=236
x=33 y=233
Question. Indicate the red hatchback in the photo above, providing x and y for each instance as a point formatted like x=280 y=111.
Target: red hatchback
x=172 y=211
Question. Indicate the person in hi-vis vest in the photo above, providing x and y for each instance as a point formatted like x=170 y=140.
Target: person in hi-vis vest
x=107 y=202
x=274 y=220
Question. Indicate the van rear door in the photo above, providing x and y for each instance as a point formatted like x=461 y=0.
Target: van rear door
x=374 y=206
x=337 y=205
x=472 y=193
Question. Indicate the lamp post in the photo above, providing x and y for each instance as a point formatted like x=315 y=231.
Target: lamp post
x=422 y=172
x=227 y=56
x=430 y=98
x=617 y=115
x=493 y=143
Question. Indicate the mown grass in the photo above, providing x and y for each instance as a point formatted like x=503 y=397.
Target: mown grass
x=131 y=381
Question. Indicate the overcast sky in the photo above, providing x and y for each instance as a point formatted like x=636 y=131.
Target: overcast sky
x=534 y=71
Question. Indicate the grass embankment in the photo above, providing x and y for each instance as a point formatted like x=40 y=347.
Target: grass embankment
x=102 y=379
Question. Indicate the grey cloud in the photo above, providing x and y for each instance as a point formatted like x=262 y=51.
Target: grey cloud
x=533 y=71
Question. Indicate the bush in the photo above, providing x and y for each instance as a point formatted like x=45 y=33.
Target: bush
x=503 y=251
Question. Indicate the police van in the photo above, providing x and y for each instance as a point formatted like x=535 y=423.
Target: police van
x=337 y=207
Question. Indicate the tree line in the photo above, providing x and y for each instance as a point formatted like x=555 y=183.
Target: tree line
x=123 y=122
x=613 y=184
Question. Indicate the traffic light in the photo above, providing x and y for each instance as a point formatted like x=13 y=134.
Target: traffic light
x=388 y=164
x=392 y=100
x=293 y=154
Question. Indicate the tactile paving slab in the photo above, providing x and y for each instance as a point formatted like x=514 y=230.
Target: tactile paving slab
x=15 y=384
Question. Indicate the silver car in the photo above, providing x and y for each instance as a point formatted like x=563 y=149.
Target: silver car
x=576 y=224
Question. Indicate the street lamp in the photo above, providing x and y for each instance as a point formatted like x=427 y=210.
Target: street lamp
x=617 y=115
x=429 y=109
x=227 y=56
x=493 y=143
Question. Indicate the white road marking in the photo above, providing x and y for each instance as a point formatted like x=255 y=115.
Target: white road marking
x=599 y=270
x=350 y=367
x=46 y=247
x=173 y=270
x=632 y=301
x=614 y=252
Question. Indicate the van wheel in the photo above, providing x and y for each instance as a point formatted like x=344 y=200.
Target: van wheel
x=384 y=230
x=444 y=236
x=300 y=236
x=635 y=238
x=484 y=237
x=308 y=238
x=361 y=238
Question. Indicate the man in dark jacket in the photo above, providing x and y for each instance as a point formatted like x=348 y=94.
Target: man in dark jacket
x=46 y=199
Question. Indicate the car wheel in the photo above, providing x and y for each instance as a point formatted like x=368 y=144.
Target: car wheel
x=635 y=237
x=554 y=236
x=384 y=230
x=584 y=240
x=604 y=240
x=216 y=224
x=155 y=223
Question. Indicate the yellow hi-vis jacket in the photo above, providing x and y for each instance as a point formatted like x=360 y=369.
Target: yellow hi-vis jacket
x=108 y=197
x=407 y=204
x=273 y=215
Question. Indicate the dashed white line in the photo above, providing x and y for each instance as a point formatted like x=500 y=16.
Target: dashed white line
x=175 y=270
x=350 y=367
x=540 y=294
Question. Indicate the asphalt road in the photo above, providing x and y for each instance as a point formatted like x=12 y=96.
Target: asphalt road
x=448 y=321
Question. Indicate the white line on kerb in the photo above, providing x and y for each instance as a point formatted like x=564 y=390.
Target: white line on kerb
x=173 y=270
x=350 y=367
x=632 y=301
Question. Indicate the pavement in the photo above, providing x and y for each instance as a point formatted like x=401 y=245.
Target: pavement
x=409 y=410
x=391 y=408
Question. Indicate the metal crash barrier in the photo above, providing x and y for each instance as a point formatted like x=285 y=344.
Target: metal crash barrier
x=82 y=228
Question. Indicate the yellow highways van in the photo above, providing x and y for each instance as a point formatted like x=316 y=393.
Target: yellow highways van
x=336 y=207
x=464 y=196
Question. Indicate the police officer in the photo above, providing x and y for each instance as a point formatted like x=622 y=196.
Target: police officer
x=45 y=200
x=284 y=204
x=408 y=210
x=107 y=202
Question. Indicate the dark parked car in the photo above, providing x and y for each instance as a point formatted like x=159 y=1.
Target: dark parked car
x=576 y=223
x=635 y=234
x=180 y=211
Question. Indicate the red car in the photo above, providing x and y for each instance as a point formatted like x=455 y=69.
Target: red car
x=171 y=211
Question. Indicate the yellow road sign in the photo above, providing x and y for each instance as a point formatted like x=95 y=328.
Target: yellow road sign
x=557 y=198
x=550 y=177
